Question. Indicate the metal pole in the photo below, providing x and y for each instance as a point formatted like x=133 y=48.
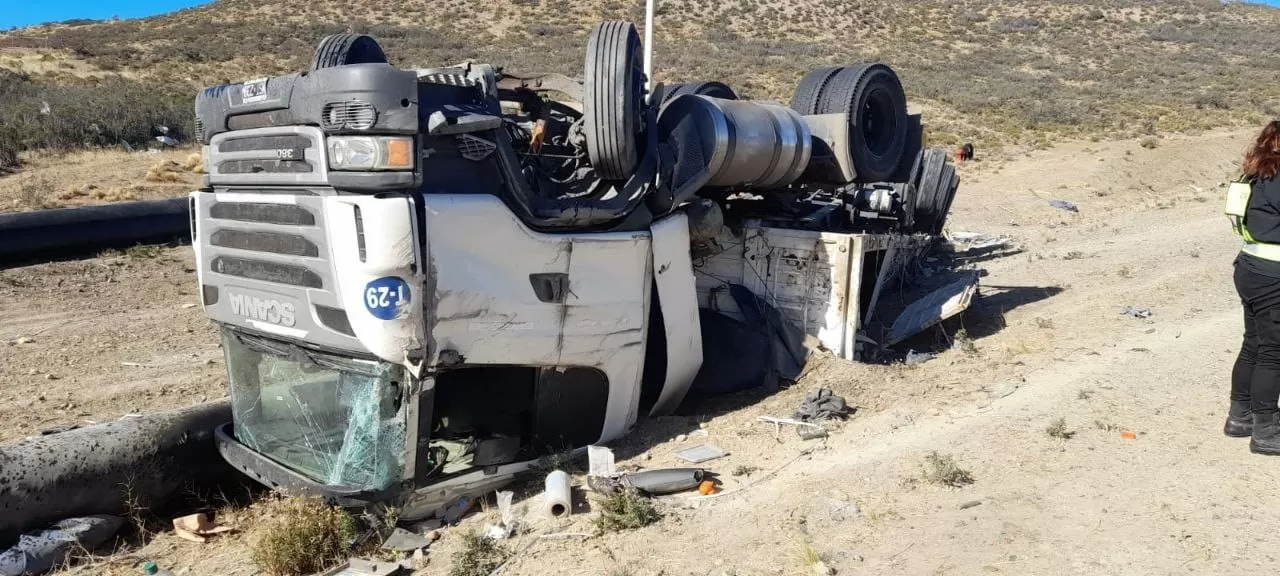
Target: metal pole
x=648 y=46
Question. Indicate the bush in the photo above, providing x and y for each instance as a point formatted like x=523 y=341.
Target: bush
x=111 y=112
x=303 y=537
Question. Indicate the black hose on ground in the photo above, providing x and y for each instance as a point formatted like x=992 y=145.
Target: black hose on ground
x=66 y=232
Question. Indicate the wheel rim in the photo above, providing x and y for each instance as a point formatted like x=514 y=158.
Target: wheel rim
x=878 y=121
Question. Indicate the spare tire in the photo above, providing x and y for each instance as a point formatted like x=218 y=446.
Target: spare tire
x=613 y=95
x=872 y=96
x=344 y=49
x=928 y=188
x=709 y=88
x=810 y=90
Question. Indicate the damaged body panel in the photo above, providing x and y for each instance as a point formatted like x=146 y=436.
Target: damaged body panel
x=427 y=280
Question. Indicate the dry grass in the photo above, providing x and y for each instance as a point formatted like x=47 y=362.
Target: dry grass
x=1058 y=429
x=165 y=171
x=302 y=537
x=480 y=555
x=942 y=470
x=626 y=510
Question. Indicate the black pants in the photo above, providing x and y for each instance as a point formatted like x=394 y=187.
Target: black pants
x=1256 y=376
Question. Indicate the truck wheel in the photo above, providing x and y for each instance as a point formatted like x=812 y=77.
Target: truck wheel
x=872 y=96
x=612 y=97
x=711 y=88
x=810 y=89
x=928 y=189
x=344 y=49
x=949 y=187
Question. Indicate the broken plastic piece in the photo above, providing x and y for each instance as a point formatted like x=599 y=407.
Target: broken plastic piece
x=458 y=509
x=916 y=358
x=1128 y=435
x=700 y=453
x=707 y=488
x=402 y=540
x=359 y=567
x=600 y=462
x=1136 y=312
x=557 y=499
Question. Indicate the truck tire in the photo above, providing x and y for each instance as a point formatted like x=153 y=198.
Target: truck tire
x=950 y=186
x=344 y=49
x=810 y=90
x=872 y=96
x=613 y=93
x=928 y=188
x=710 y=88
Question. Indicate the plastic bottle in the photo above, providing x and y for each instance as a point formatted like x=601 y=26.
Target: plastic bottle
x=150 y=569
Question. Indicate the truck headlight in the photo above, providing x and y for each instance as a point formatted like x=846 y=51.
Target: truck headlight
x=371 y=153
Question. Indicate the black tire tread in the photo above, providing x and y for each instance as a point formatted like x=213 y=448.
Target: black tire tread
x=335 y=50
x=844 y=95
x=927 y=190
x=611 y=125
x=810 y=89
x=704 y=88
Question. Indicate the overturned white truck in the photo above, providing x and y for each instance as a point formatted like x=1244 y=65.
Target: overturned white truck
x=427 y=279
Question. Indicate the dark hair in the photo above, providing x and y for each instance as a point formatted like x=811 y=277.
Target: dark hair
x=1263 y=159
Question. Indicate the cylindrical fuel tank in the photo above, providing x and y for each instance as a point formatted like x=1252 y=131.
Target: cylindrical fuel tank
x=744 y=144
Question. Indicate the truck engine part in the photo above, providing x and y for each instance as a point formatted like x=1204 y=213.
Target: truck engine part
x=98 y=469
x=743 y=144
x=91 y=229
x=613 y=94
x=346 y=49
x=872 y=96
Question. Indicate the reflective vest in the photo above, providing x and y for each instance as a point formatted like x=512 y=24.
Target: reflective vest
x=1238 y=193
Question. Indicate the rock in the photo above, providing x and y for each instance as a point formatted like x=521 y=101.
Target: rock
x=32 y=372
x=25 y=340
x=970 y=504
x=188 y=306
x=821 y=569
x=50 y=377
x=682 y=437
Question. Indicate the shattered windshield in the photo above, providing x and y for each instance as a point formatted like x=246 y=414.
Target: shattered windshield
x=336 y=420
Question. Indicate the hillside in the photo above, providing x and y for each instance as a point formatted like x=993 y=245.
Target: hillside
x=989 y=71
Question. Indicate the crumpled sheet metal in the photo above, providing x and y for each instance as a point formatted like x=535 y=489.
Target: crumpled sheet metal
x=939 y=305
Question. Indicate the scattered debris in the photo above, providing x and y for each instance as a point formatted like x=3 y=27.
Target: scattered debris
x=459 y=508
x=664 y=480
x=939 y=305
x=1128 y=435
x=822 y=404
x=1064 y=205
x=700 y=453
x=707 y=488
x=361 y=567
x=1136 y=312
x=197 y=528
x=401 y=540
x=917 y=358
x=1058 y=429
x=558 y=496
x=970 y=504
x=43 y=550
x=508 y=524
x=801 y=427
x=600 y=462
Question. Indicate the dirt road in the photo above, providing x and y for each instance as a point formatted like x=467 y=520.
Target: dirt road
x=1047 y=342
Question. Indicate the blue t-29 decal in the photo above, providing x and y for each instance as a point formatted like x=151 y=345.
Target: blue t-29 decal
x=385 y=296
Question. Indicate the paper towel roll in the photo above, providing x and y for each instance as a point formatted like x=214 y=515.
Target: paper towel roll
x=557 y=500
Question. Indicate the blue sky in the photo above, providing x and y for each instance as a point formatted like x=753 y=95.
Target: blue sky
x=27 y=12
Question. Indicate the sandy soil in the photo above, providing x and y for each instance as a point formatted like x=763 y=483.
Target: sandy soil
x=1048 y=342
x=98 y=177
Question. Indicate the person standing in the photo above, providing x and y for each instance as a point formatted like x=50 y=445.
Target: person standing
x=1254 y=207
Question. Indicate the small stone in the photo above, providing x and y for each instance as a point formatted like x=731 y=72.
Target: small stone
x=646 y=456
x=25 y=340
x=434 y=534
x=682 y=437
x=188 y=306
x=50 y=377
x=970 y=504
x=41 y=398
x=32 y=372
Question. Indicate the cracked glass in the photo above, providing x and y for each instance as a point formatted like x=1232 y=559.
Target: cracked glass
x=337 y=420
